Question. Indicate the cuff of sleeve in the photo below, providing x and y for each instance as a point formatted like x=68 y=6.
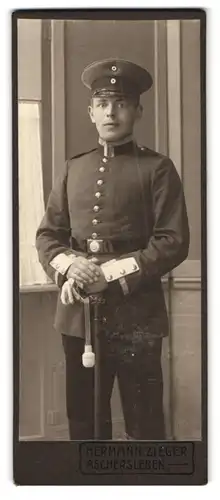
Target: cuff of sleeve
x=116 y=269
x=62 y=262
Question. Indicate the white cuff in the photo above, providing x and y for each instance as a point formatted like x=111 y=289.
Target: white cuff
x=115 y=269
x=62 y=262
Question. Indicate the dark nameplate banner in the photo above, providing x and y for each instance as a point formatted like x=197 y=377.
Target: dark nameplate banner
x=140 y=458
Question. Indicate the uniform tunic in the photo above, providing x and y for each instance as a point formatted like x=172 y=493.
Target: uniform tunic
x=134 y=201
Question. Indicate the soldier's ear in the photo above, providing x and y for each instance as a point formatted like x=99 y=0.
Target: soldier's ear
x=90 y=111
x=139 y=112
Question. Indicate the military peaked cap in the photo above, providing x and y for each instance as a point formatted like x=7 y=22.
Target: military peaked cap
x=116 y=76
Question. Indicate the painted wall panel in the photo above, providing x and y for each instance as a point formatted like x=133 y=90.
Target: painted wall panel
x=29 y=59
x=191 y=130
x=186 y=355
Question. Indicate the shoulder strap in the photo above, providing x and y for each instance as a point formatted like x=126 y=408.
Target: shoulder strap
x=82 y=154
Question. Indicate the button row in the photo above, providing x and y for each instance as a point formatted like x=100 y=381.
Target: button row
x=98 y=195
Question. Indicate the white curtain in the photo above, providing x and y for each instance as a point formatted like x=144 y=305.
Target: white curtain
x=31 y=201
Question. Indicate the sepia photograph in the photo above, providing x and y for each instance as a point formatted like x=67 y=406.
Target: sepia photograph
x=109 y=134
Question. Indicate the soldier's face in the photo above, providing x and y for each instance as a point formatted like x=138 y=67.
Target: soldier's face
x=114 y=117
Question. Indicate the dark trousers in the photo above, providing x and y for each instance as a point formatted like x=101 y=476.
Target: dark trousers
x=137 y=365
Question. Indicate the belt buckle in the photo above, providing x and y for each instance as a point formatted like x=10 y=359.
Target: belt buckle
x=94 y=245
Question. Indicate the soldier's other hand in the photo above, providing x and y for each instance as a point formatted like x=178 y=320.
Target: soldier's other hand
x=84 y=271
x=69 y=294
x=98 y=286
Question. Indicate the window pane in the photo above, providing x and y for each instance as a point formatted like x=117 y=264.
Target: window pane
x=31 y=201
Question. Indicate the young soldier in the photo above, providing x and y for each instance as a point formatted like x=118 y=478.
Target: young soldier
x=121 y=203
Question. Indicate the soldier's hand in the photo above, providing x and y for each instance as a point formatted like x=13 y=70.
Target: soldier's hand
x=83 y=271
x=98 y=286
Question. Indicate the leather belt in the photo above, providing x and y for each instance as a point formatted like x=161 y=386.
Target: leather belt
x=107 y=246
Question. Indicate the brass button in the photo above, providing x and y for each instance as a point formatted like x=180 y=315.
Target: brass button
x=100 y=182
x=113 y=80
x=96 y=208
x=102 y=169
x=98 y=194
x=114 y=68
x=104 y=159
x=94 y=235
x=134 y=267
x=110 y=277
x=95 y=222
x=122 y=271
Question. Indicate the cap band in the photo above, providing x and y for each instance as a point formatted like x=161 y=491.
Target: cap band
x=113 y=93
x=116 y=85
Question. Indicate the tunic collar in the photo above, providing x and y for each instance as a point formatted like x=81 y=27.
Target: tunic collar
x=112 y=149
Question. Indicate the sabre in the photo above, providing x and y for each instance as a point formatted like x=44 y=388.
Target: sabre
x=91 y=359
x=97 y=378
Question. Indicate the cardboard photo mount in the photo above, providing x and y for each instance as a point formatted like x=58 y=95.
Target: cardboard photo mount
x=49 y=461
